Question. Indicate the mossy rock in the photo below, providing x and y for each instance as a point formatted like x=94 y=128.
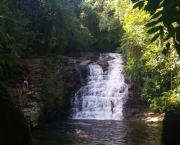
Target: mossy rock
x=14 y=129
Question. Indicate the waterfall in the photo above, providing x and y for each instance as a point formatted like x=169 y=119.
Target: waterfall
x=92 y=101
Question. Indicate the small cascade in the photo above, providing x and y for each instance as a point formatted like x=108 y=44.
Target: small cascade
x=77 y=69
x=92 y=101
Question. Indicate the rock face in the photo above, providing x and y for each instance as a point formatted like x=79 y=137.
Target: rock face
x=30 y=103
x=74 y=72
x=71 y=73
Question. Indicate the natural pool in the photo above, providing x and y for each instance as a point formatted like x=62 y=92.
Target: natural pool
x=113 y=133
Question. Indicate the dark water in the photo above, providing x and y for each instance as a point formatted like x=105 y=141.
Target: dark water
x=113 y=133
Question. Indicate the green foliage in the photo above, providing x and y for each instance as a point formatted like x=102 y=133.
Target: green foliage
x=53 y=98
x=47 y=62
x=149 y=48
x=31 y=28
x=166 y=14
x=139 y=4
x=102 y=24
x=169 y=101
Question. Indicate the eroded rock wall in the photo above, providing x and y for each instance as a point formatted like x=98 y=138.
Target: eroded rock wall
x=70 y=74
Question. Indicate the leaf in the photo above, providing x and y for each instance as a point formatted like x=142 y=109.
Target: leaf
x=155 y=37
x=153 y=30
x=162 y=31
x=152 y=6
x=134 y=1
x=178 y=37
x=177 y=46
x=2 y=34
x=156 y=15
x=168 y=45
x=151 y=24
x=166 y=3
x=170 y=34
x=139 y=5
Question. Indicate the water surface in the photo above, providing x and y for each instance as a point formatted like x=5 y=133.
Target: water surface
x=113 y=133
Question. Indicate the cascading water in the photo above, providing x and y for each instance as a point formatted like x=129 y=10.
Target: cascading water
x=92 y=101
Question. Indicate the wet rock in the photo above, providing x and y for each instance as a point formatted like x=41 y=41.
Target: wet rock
x=151 y=113
x=85 y=62
x=106 y=57
x=104 y=65
x=153 y=119
x=131 y=86
x=34 y=118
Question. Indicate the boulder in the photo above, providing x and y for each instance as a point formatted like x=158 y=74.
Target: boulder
x=85 y=62
x=104 y=65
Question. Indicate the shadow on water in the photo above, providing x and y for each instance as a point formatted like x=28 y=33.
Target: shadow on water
x=113 y=133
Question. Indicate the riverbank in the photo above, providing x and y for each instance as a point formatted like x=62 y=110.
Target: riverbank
x=136 y=109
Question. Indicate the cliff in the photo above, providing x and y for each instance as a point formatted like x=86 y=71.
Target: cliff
x=51 y=84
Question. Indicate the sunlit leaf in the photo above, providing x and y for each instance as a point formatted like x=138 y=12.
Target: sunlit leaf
x=139 y=4
x=151 y=24
x=156 y=15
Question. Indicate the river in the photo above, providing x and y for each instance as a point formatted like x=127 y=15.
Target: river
x=91 y=107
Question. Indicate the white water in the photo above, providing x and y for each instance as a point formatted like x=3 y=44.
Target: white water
x=92 y=101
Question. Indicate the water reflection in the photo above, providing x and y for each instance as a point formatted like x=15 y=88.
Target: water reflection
x=113 y=133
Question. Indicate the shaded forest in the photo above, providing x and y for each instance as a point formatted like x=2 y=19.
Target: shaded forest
x=145 y=32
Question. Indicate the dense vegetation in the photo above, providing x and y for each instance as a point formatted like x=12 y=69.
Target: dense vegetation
x=150 y=46
x=148 y=38
x=54 y=97
x=37 y=28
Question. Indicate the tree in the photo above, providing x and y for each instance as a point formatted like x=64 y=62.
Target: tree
x=165 y=19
